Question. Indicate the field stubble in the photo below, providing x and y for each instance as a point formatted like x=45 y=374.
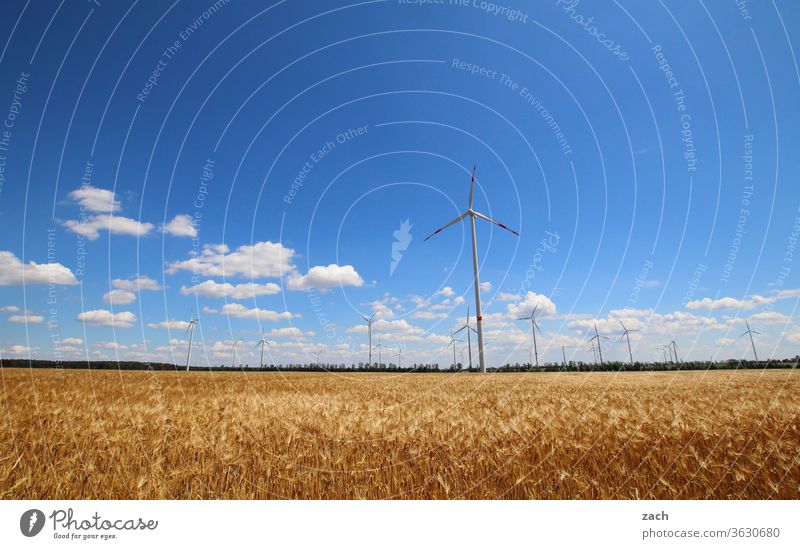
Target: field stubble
x=673 y=435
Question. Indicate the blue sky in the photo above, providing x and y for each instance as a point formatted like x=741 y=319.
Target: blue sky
x=254 y=166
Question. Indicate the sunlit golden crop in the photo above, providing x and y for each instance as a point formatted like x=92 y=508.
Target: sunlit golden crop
x=90 y=434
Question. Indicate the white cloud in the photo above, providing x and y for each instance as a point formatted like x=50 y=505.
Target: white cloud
x=323 y=278
x=169 y=324
x=428 y=315
x=136 y=284
x=72 y=341
x=525 y=307
x=486 y=287
x=181 y=225
x=505 y=296
x=210 y=288
x=289 y=331
x=770 y=317
x=262 y=259
x=26 y=318
x=95 y=200
x=10 y=308
x=12 y=272
x=786 y=294
x=240 y=311
x=18 y=350
x=447 y=291
x=707 y=304
x=395 y=327
x=114 y=224
x=119 y=297
x=102 y=317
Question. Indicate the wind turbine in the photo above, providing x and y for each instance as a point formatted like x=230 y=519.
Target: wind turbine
x=380 y=347
x=625 y=333
x=369 y=331
x=530 y=357
x=190 y=331
x=675 y=349
x=664 y=350
x=597 y=336
x=751 y=332
x=594 y=350
x=472 y=215
x=453 y=341
x=318 y=353
x=469 y=339
x=399 y=357
x=534 y=327
x=564 y=354
x=233 y=358
x=263 y=342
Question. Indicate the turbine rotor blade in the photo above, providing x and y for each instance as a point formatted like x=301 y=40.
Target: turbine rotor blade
x=464 y=326
x=472 y=186
x=490 y=220
x=453 y=222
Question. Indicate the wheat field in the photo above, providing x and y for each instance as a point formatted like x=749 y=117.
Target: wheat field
x=135 y=434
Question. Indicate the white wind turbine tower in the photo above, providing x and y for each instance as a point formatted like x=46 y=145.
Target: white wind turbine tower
x=469 y=337
x=380 y=347
x=190 y=331
x=625 y=333
x=233 y=358
x=399 y=357
x=597 y=337
x=369 y=331
x=751 y=332
x=263 y=343
x=675 y=349
x=472 y=215
x=564 y=354
x=453 y=341
x=534 y=327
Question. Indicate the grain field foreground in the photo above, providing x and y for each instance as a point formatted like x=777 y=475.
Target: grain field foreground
x=100 y=434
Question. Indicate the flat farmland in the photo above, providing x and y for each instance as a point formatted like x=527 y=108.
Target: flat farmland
x=67 y=434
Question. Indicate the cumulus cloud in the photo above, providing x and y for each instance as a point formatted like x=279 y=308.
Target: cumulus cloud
x=10 y=308
x=526 y=306
x=707 y=304
x=486 y=287
x=95 y=200
x=72 y=341
x=17 y=350
x=505 y=296
x=289 y=331
x=447 y=291
x=169 y=324
x=26 y=318
x=136 y=284
x=114 y=224
x=119 y=297
x=181 y=225
x=210 y=288
x=102 y=317
x=240 y=311
x=323 y=278
x=394 y=327
x=262 y=259
x=13 y=272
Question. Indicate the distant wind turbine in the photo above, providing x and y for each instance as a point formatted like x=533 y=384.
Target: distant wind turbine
x=752 y=343
x=564 y=354
x=469 y=328
x=318 y=353
x=675 y=350
x=190 y=331
x=380 y=347
x=233 y=358
x=399 y=357
x=453 y=341
x=625 y=332
x=597 y=337
x=664 y=350
x=263 y=342
x=534 y=327
x=476 y=282
x=369 y=331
